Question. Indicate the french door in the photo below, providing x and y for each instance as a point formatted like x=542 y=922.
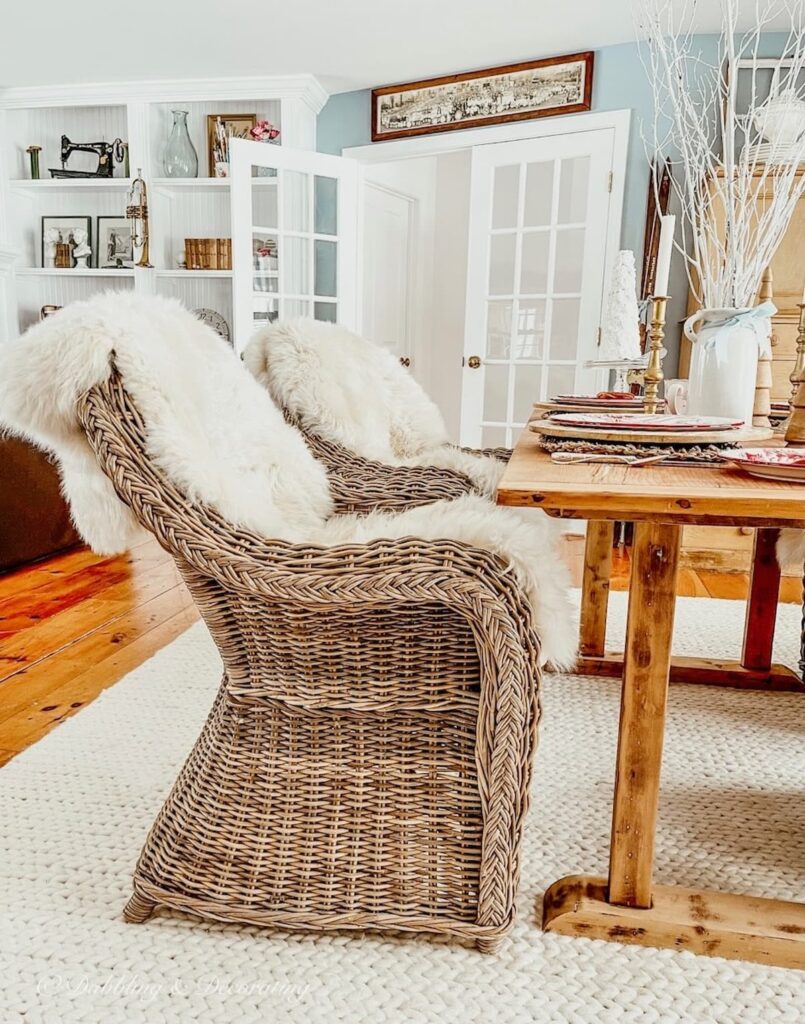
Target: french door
x=294 y=236
x=539 y=213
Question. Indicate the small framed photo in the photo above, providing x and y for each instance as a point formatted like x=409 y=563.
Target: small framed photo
x=114 y=245
x=66 y=242
x=221 y=128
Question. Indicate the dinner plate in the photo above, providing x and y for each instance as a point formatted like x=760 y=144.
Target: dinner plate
x=769 y=463
x=656 y=423
x=596 y=400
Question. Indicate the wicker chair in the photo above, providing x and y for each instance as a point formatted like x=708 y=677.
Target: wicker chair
x=394 y=488
x=366 y=762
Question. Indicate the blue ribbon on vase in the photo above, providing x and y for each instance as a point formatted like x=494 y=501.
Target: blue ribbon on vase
x=755 y=317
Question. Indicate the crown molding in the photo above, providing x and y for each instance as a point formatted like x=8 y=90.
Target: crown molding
x=306 y=88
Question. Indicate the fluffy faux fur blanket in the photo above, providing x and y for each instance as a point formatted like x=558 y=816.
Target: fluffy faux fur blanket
x=349 y=390
x=215 y=432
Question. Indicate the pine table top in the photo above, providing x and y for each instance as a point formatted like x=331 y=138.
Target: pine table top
x=706 y=495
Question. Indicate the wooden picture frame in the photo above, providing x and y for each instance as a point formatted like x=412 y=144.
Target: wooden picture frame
x=241 y=124
x=490 y=96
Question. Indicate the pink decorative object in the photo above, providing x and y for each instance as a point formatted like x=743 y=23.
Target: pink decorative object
x=264 y=131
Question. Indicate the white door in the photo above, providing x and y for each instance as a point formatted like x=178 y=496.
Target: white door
x=294 y=236
x=386 y=301
x=539 y=220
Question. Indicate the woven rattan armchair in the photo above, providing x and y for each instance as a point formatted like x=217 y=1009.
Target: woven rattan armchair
x=366 y=762
x=356 y=481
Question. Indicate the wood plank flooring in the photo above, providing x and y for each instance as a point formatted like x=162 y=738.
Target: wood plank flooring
x=73 y=625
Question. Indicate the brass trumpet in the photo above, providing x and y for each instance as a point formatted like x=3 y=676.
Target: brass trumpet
x=137 y=213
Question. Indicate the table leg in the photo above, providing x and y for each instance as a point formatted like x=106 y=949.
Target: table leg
x=626 y=907
x=761 y=607
x=595 y=587
x=755 y=670
x=650 y=623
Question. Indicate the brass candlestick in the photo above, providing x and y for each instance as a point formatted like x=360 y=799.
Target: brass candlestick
x=654 y=375
x=795 y=424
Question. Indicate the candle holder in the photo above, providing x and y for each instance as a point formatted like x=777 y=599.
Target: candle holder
x=33 y=152
x=794 y=426
x=654 y=375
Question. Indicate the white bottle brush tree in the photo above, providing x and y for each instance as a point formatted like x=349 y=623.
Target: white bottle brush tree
x=620 y=331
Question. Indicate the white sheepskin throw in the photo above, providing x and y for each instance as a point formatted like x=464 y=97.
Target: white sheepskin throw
x=217 y=435
x=349 y=390
x=210 y=427
x=791 y=548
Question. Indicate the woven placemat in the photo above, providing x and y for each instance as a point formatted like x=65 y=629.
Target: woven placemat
x=699 y=453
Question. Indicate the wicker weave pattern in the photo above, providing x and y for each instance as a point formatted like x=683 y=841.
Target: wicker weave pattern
x=361 y=485
x=366 y=763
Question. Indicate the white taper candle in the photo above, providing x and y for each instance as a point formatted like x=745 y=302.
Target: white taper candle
x=666 y=248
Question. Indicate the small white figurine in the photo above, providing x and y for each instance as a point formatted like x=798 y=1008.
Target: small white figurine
x=81 y=251
x=52 y=236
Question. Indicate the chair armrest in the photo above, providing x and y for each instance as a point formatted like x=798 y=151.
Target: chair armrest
x=372 y=486
x=501 y=454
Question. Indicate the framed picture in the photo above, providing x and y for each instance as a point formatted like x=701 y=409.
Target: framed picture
x=514 y=92
x=66 y=241
x=114 y=243
x=232 y=125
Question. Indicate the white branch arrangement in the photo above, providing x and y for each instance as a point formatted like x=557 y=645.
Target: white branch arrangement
x=724 y=176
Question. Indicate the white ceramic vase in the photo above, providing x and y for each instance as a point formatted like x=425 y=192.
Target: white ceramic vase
x=723 y=368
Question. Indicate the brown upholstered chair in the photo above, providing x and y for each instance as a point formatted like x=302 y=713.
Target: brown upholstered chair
x=366 y=762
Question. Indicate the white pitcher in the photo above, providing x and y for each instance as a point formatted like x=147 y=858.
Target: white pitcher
x=726 y=348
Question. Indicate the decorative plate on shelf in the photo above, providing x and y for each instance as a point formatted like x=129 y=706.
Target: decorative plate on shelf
x=213 y=319
x=769 y=463
x=655 y=424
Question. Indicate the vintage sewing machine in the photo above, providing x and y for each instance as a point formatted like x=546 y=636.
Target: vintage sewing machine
x=108 y=154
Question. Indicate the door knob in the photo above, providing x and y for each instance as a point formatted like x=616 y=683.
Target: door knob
x=405 y=361
x=474 y=362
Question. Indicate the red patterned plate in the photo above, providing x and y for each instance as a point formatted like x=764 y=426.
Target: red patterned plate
x=655 y=424
x=769 y=463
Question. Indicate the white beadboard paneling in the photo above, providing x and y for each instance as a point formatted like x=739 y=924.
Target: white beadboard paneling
x=60 y=289
x=162 y=121
x=197 y=292
x=44 y=126
x=186 y=213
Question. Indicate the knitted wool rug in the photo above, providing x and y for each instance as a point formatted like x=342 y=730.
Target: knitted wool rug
x=75 y=809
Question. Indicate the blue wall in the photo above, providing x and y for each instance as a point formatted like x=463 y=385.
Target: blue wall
x=619 y=83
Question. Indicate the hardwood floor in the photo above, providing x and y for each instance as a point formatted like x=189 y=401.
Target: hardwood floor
x=73 y=625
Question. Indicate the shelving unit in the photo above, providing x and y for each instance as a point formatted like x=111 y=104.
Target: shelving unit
x=139 y=114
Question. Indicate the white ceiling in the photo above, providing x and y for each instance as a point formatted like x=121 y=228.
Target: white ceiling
x=347 y=44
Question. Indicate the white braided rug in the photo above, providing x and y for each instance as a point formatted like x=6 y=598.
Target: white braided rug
x=75 y=808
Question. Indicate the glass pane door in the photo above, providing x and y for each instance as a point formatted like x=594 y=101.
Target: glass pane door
x=538 y=232
x=294 y=228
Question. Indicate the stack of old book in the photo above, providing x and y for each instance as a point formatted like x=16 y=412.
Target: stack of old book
x=208 y=253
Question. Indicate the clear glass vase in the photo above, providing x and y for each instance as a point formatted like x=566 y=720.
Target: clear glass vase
x=180 y=159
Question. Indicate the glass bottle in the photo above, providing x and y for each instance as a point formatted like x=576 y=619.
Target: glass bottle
x=180 y=159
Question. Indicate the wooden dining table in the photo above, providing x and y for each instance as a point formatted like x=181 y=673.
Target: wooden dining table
x=660 y=499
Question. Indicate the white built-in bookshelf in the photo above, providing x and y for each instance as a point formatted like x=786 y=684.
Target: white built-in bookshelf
x=140 y=115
